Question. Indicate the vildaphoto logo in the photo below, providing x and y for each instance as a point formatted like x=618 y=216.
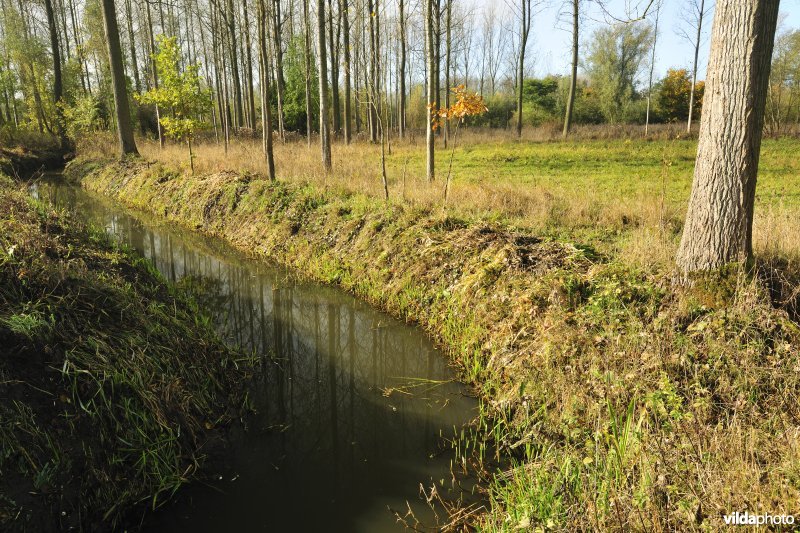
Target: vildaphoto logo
x=766 y=519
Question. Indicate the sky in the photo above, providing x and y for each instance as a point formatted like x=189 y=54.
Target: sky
x=552 y=45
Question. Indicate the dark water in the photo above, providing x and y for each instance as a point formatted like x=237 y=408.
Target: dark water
x=349 y=407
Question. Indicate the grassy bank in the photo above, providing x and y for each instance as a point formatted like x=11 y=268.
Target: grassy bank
x=101 y=410
x=615 y=399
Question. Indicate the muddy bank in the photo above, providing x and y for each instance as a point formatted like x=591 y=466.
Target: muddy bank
x=621 y=401
x=102 y=414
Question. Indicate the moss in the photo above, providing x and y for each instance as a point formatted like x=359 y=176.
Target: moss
x=612 y=398
x=100 y=409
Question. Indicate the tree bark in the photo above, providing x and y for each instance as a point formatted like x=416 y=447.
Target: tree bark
x=348 y=126
x=307 y=54
x=58 y=86
x=719 y=221
x=324 y=129
x=266 y=111
x=124 y=129
x=431 y=90
x=280 y=83
x=573 y=82
x=401 y=107
x=523 y=43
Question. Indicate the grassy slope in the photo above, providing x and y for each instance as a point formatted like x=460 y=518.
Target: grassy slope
x=99 y=408
x=622 y=402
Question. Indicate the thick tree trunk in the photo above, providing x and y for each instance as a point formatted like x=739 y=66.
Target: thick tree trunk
x=324 y=128
x=58 y=87
x=573 y=82
x=719 y=222
x=431 y=89
x=124 y=129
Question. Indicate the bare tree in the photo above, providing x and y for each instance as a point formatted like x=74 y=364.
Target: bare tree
x=430 y=52
x=652 y=66
x=324 y=128
x=573 y=81
x=266 y=110
x=525 y=28
x=693 y=16
x=719 y=222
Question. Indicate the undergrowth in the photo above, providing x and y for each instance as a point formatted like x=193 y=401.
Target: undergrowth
x=612 y=398
x=112 y=385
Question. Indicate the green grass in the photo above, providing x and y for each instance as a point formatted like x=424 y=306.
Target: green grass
x=101 y=411
x=612 y=398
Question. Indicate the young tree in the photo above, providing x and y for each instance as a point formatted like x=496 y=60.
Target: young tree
x=525 y=28
x=324 y=128
x=124 y=127
x=652 y=65
x=573 y=81
x=719 y=222
x=266 y=111
x=694 y=15
x=181 y=93
x=430 y=52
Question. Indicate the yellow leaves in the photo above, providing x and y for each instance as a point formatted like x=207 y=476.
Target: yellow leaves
x=466 y=105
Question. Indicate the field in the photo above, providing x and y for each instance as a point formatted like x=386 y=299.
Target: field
x=614 y=398
x=622 y=196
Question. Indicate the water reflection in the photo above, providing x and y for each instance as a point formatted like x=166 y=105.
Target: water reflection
x=348 y=408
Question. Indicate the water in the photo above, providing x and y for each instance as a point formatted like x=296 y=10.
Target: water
x=350 y=404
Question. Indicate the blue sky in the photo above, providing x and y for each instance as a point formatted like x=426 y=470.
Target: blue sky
x=553 y=40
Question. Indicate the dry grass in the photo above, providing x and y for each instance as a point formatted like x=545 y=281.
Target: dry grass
x=615 y=400
x=632 y=205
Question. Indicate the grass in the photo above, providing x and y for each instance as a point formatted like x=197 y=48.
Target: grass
x=612 y=398
x=101 y=411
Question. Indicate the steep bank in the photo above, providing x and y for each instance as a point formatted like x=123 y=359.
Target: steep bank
x=622 y=401
x=100 y=410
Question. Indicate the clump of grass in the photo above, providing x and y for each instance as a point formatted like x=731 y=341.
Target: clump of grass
x=102 y=410
x=612 y=398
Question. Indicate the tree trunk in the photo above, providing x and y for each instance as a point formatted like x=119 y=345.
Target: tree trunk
x=448 y=50
x=137 y=84
x=154 y=72
x=719 y=221
x=280 y=83
x=251 y=108
x=333 y=42
x=652 y=70
x=343 y=8
x=237 y=86
x=573 y=82
x=431 y=89
x=324 y=129
x=58 y=87
x=124 y=129
x=266 y=111
x=700 y=16
x=401 y=107
x=307 y=54
x=523 y=43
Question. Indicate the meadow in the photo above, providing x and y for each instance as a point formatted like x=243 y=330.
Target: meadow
x=623 y=194
x=613 y=397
